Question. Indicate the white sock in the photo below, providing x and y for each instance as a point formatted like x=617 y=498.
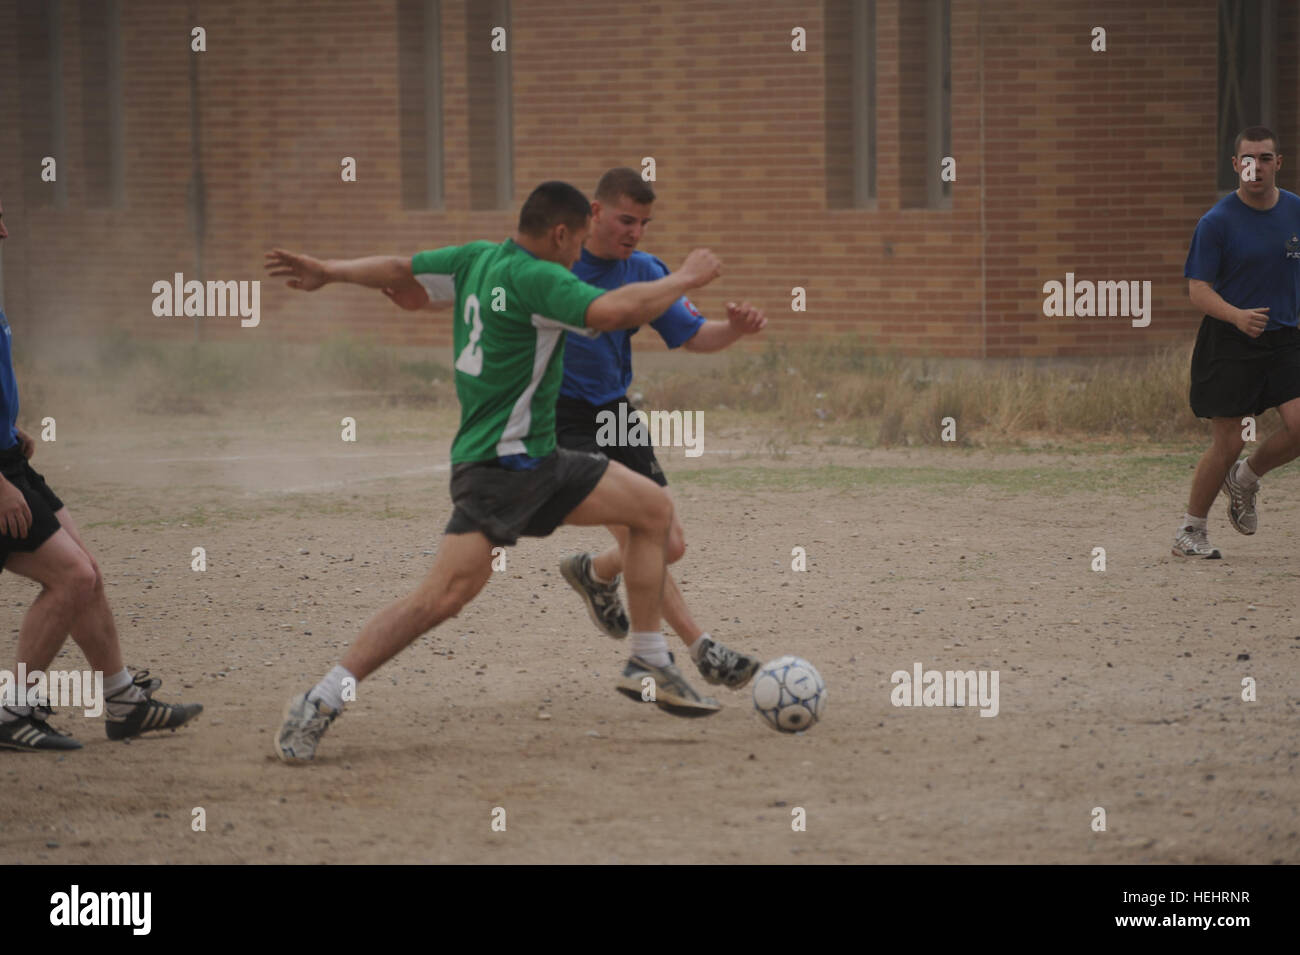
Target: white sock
x=120 y=681
x=1196 y=523
x=650 y=646
x=330 y=690
x=1245 y=475
x=9 y=713
x=122 y=695
x=696 y=648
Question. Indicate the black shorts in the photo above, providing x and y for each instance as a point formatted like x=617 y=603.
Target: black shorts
x=506 y=505
x=43 y=502
x=576 y=428
x=1235 y=375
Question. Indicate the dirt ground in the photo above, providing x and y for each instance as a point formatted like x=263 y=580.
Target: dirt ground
x=1119 y=689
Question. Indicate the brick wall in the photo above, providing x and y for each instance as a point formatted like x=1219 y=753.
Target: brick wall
x=1067 y=160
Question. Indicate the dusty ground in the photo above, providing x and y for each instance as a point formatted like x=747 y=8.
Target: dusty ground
x=1119 y=689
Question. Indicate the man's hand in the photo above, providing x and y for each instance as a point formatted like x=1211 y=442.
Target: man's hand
x=15 y=515
x=411 y=297
x=308 y=274
x=1251 y=321
x=700 y=268
x=745 y=319
x=25 y=443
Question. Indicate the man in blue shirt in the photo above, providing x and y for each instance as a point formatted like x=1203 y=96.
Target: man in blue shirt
x=1243 y=272
x=597 y=373
x=40 y=541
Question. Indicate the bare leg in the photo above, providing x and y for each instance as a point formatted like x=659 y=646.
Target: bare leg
x=462 y=567
x=1283 y=445
x=675 y=611
x=1214 y=465
x=69 y=581
x=94 y=629
x=645 y=509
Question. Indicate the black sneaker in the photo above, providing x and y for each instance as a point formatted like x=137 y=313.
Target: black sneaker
x=603 y=602
x=29 y=733
x=722 y=665
x=149 y=715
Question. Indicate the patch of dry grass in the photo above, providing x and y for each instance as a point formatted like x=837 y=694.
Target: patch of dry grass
x=847 y=394
x=840 y=392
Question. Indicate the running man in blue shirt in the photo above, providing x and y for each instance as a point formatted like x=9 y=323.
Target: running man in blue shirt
x=1243 y=272
x=40 y=541
x=597 y=373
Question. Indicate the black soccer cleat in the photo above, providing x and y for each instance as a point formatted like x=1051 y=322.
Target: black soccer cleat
x=149 y=715
x=32 y=733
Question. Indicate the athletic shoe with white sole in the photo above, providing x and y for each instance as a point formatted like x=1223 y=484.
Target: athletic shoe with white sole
x=1194 y=542
x=671 y=692
x=305 y=722
x=149 y=715
x=1241 y=502
x=720 y=665
x=32 y=733
x=604 y=604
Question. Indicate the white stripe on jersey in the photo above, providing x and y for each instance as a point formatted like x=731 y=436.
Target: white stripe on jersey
x=441 y=288
x=521 y=415
x=541 y=321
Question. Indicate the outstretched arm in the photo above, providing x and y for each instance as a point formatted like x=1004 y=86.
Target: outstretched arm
x=308 y=274
x=640 y=303
x=413 y=297
x=743 y=319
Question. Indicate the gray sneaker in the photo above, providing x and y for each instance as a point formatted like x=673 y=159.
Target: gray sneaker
x=604 y=604
x=720 y=665
x=305 y=722
x=1191 y=542
x=668 y=689
x=1241 y=502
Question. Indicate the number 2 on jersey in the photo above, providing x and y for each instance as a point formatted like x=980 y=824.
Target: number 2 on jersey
x=470 y=361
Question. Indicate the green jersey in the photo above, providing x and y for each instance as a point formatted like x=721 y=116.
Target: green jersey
x=512 y=310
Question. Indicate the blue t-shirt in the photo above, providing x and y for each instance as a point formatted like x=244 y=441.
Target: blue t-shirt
x=599 y=370
x=1251 y=258
x=8 y=388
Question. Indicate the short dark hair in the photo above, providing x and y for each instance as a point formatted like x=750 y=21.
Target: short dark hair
x=1256 y=134
x=553 y=203
x=622 y=181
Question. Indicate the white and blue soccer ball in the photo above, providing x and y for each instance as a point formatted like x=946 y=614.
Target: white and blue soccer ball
x=789 y=694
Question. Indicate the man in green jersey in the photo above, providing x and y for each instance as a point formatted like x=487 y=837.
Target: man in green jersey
x=513 y=303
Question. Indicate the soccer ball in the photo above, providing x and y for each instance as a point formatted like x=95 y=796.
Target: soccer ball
x=789 y=694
